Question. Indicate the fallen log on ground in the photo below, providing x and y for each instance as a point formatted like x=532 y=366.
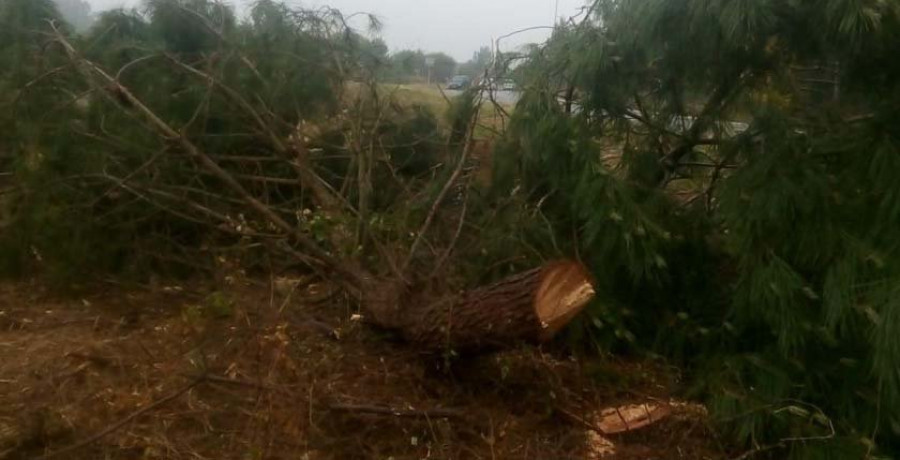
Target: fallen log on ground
x=531 y=306
x=527 y=307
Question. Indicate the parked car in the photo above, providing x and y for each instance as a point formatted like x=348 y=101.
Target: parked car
x=459 y=82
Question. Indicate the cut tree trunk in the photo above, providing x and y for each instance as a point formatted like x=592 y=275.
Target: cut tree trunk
x=528 y=307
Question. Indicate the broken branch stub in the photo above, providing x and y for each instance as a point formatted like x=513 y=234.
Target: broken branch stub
x=527 y=307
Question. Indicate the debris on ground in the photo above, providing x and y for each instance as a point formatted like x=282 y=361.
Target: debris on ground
x=254 y=371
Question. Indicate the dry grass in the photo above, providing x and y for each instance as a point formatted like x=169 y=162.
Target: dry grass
x=491 y=122
x=71 y=367
x=428 y=96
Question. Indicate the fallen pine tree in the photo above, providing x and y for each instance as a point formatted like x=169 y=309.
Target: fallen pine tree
x=531 y=306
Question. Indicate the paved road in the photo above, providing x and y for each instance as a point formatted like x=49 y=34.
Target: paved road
x=503 y=97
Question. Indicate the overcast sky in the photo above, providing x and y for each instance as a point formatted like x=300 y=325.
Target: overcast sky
x=457 y=27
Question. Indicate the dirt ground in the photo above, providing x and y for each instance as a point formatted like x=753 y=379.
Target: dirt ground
x=284 y=370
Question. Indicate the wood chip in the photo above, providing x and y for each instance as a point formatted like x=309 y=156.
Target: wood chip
x=631 y=417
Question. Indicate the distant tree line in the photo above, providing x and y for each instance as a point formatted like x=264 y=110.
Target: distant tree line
x=400 y=66
x=409 y=66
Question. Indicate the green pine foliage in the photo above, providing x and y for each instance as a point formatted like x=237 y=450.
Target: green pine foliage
x=95 y=190
x=728 y=168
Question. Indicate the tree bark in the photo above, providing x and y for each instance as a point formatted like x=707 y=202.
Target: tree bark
x=528 y=307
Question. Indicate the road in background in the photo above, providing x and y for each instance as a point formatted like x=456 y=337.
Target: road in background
x=502 y=97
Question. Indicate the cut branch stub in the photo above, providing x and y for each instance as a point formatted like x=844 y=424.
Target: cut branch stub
x=528 y=307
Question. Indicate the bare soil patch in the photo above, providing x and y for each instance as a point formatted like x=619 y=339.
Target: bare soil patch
x=277 y=370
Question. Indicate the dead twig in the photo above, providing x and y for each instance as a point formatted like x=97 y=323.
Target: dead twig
x=208 y=378
x=462 y=221
x=396 y=412
x=218 y=33
x=115 y=426
x=457 y=172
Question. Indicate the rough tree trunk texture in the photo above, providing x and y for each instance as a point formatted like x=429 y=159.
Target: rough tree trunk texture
x=528 y=307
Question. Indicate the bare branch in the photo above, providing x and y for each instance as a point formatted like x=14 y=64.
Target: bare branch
x=89 y=70
x=296 y=152
x=124 y=421
x=396 y=412
x=457 y=172
x=462 y=221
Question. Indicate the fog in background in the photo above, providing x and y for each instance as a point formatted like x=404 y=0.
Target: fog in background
x=456 y=27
